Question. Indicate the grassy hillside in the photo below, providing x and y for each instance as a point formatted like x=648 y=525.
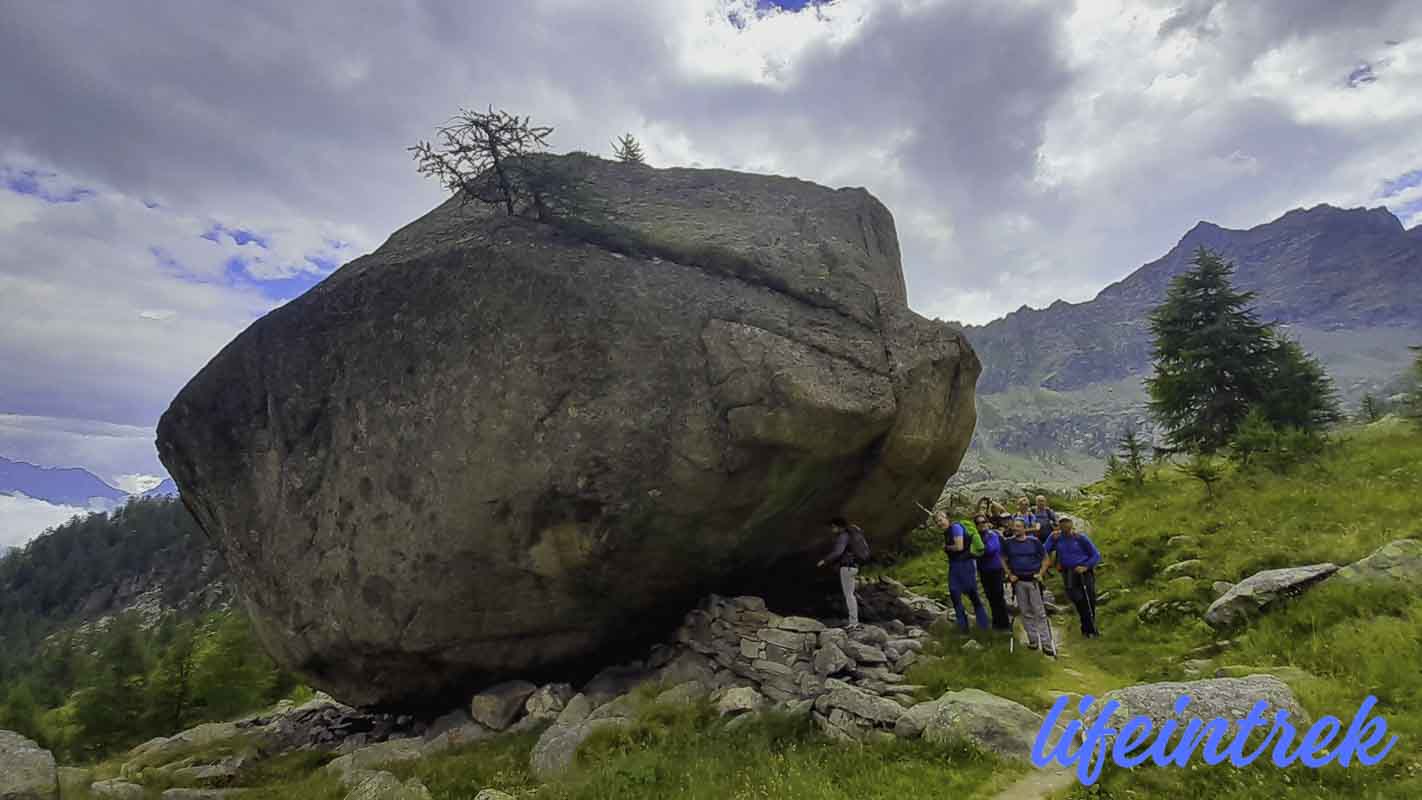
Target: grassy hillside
x=1334 y=646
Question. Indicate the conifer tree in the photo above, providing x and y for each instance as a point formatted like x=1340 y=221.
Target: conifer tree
x=628 y=150
x=1131 y=458
x=1370 y=410
x=1215 y=362
x=1298 y=392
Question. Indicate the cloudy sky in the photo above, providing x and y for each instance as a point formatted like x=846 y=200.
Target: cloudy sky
x=171 y=171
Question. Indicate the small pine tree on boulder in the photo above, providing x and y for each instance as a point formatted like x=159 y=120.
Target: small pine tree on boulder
x=628 y=150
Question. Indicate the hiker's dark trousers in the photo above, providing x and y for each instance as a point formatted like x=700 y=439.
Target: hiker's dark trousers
x=996 y=597
x=1081 y=588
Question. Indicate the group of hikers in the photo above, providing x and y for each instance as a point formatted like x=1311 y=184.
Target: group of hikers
x=998 y=549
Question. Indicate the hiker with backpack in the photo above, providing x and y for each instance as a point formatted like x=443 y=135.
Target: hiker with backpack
x=1025 y=559
x=851 y=549
x=1077 y=558
x=1045 y=518
x=963 y=545
x=991 y=574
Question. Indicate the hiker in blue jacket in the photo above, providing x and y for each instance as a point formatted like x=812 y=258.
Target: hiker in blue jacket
x=1077 y=558
x=962 y=572
x=1025 y=559
x=991 y=574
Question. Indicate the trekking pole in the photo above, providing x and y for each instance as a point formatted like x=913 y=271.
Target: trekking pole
x=1051 y=637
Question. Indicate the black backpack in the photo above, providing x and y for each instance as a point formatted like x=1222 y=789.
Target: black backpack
x=858 y=544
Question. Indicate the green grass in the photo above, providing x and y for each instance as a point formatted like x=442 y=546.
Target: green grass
x=1334 y=645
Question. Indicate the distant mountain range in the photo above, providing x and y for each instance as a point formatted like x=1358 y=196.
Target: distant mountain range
x=63 y=486
x=1063 y=382
x=68 y=486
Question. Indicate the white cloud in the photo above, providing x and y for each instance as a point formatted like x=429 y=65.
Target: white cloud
x=23 y=518
x=1029 y=150
x=137 y=483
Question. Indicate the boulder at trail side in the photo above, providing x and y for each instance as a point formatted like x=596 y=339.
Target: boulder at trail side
x=1261 y=590
x=496 y=448
x=1230 y=699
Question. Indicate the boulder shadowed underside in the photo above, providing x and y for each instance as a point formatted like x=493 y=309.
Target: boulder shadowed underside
x=495 y=448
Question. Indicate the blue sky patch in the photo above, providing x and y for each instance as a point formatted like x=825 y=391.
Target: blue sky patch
x=239 y=236
x=236 y=274
x=1406 y=180
x=32 y=182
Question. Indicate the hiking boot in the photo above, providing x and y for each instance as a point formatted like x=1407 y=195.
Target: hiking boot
x=1050 y=652
x=1032 y=645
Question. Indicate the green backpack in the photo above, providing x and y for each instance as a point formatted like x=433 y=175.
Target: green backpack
x=972 y=539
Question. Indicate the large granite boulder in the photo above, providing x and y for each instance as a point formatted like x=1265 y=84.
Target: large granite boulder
x=27 y=771
x=1261 y=590
x=497 y=448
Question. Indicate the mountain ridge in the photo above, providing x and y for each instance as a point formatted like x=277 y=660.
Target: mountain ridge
x=1345 y=283
x=1297 y=264
x=66 y=486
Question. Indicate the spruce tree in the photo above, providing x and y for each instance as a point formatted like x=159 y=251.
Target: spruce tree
x=1131 y=461
x=1212 y=356
x=1370 y=410
x=628 y=150
x=1298 y=393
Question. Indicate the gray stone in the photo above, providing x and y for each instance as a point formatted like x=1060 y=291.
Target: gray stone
x=115 y=789
x=493 y=794
x=1190 y=568
x=864 y=653
x=548 y=701
x=972 y=645
x=911 y=723
x=620 y=707
x=1397 y=562
x=830 y=660
x=377 y=755
x=1227 y=698
x=558 y=745
x=739 y=700
x=1256 y=593
x=800 y=624
x=833 y=636
x=27 y=771
x=795 y=642
x=995 y=724
x=760 y=322
x=384 y=786
x=870 y=634
x=498 y=706
x=212 y=794
x=1221 y=588
x=866 y=706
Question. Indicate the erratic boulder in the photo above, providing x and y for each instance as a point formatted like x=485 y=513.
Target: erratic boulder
x=497 y=448
x=1261 y=590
